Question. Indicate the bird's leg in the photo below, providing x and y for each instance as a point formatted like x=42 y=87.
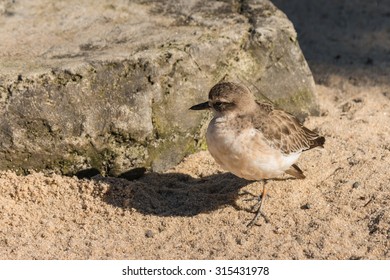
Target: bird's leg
x=259 y=203
x=260 y=198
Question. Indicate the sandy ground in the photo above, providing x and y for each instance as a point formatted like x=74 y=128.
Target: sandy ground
x=197 y=211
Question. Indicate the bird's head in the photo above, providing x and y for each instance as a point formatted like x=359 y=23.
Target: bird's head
x=227 y=98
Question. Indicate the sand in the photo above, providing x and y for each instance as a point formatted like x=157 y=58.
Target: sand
x=198 y=211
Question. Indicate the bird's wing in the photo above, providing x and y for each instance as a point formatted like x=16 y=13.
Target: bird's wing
x=283 y=131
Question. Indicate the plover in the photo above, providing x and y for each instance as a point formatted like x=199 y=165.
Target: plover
x=254 y=140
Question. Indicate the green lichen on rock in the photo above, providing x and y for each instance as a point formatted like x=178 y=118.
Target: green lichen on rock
x=298 y=100
x=161 y=153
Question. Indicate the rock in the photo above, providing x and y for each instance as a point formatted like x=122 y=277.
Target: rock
x=306 y=206
x=356 y=184
x=149 y=234
x=107 y=85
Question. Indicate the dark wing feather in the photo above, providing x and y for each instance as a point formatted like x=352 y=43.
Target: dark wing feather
x=283 y=131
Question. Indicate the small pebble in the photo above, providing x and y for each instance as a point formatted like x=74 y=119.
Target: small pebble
x=299 y=239
x=149 y=233
x=356 y=185
x=353 y=161
x=346 y=107
x=306 y=206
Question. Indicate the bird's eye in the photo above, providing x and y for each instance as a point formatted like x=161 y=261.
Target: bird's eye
x=218 y=106
x=222 y=106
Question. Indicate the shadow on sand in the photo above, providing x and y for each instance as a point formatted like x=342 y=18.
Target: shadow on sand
x=344 y=37
x=173 y=194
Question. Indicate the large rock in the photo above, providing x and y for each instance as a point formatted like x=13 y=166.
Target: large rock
x=107 y=84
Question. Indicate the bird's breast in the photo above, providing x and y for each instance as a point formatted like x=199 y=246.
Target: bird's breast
x=243 y=150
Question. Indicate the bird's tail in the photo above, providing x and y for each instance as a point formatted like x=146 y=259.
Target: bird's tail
x=295 y=171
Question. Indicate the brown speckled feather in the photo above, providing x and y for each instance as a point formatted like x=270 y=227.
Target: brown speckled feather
x=283 y=131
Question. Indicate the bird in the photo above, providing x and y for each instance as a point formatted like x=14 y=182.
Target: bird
x=254 y=140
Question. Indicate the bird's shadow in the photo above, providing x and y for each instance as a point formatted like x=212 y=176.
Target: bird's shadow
x=173 y=194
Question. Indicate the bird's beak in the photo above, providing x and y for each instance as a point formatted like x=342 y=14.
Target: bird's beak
x=201 y=106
